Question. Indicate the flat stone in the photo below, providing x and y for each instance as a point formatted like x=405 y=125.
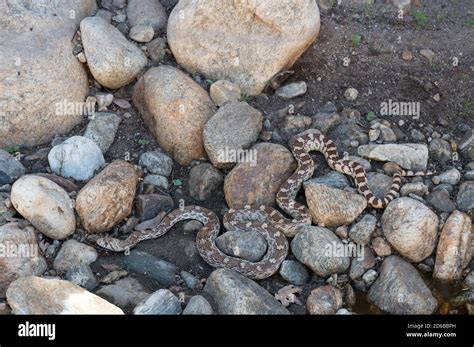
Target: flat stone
x=162 y=302
x=149 y=206
x=73 y=254
x=411 y=156
x=10 y=168
x=156 y=162
x=223 y=91
x=332 y=179
x=465 y=198
x=292 y=90
x=102 y=129
x=126 y=293
x=361 y=232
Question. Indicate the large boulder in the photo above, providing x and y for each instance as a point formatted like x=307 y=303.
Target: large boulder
x=246 y=42
x=39 y=73
x=176 y=109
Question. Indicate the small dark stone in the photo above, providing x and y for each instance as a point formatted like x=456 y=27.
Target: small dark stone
x=149 y=205
x=157 y=269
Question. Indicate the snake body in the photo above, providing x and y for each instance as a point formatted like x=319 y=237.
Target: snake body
x=266 y=220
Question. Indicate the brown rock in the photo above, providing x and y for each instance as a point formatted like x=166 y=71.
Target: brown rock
x=381 y=248
x=224 y=91
x=108 y=198
x=256 y=183
x=176 y=109
x=324 y=300
x=15 y=241
x=331 y=206
x=204 y=180
x=454 y=250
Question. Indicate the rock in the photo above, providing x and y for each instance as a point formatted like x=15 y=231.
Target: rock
x=443 y=186
x=454 y=250
x=107 y=15
x=190 y=280
x=320 y=250
x=192 y=226
x=292 y=90
x=369 y=277
x=417 y=135
x=361 y=263
x=7 y=212
x=351 y=134
x=157 y=269
x=351 y=94
x=324 y=300
x=156 y=162
x=232 y=129
x=407 y=55
x=332 y=179
x=149 y=206
x=113 y=276
x=157 y=49
x=10 y=168
x=142 y=33
x=112 y=59
x=275 y=36
x=469 y=175
x=387 y=134
x=331 y=206
x=104 y=100
x=292 y=125
x=469 y=281
x=427 y=53
x=327 y=118
x=78 y=158
x=73 y=254
x=223 y=91
x=198 y=305
x=452 y=176
x=204 y=180
x=294 y=272
x=361 y=232
x=125 y=293
x=176 y=109
x=35 y=295
x=14 y=241
x=162 y=301
x=102 y=129
x=381 y=247
x=465 y=198
x=399 y=289
x=364 y=163
x=147 y=12
x=466 y=145
x=403 y=5
x=157 y=180
x=45 y=205
x=234 y=293
x=249 y=245
x=411 y=156
x=411 y=228
x=440 y=150
x=256 y=183
x=107 y=199
x=82 y=276
x=441 y=201
x=40 y=79
x=418 y=188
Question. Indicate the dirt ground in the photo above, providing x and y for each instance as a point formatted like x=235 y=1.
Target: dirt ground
x=376 y=70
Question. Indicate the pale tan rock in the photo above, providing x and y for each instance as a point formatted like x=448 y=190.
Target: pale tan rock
x=262 y=38
x=256 y=183
x=224 y=91
x=45 y=205
x=332 y=206
x=39 y=72
x=454 y=250
x=19 y=254
x=381 y=247
x=324 y=300
x=35 y=295
x=411 y=228
x=176 y=109
x=107 y=199
x=147 y=12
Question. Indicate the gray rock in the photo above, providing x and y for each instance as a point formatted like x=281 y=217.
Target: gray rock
x=147 y=12
x=324 y=300
x=292 y=90
x=466 y=145
x=452 y=176
x=249 y=245
x=10 y=168
x=369 y=277
x=364 y=163
x=441 y=201
x=234 y=293
x=126 y=293
x=411 y=228
x=349 y=131
x=361 y=232
x=360 y=264
x=142 y=33
x=198 y=305
x=162 y=302
x=417 y=135
x=191 y=281
x=319 y=249
x=156 y=162
x=469 y=175
x=326 y=120
x=444 y=186
x=83 y=276
x=418 y=188
x=78 y=157
x=158 y=181
x=204 y=180
x=333 y=179
x=157 y=49
x=465 y=198
x=157 y=269
x=73 y=254
x=234 y=127
x=399 y=289
x=379 y=184
x=149 y=205
x=223 y=91
x=469 y=281
x=294 y=272
x=440 y=150
x=102 y=129
x=411 y=156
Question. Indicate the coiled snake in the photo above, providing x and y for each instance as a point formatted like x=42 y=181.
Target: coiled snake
x=268 y=221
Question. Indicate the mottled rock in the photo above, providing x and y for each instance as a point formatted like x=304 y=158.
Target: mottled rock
x=204 y=180
x=332 y=179
x=466 y=145
x=361 y=232
x=292 y=90
x=82 y=276
x=45 y=205
x=102 y=129
x=361 y=263
x=107 y=199
x=162 y=301
x=411 y=156
x=441 y=201
x=379 y=184
x=147 y=12
x=224 y=91
x=156 y=162
x=198 y=305
x=10 y=168
x=440 y=150
x=418 y=188
x=451 y=176
x=324 y=300
x=125 y=293
x=157 y=49
x=149 y=206
x=73 y=254
x=294 y=272
x=157 y=181
x=381 y=247
x=465 y=198
x=249 y=245
x=142 y=33
x=399 y=289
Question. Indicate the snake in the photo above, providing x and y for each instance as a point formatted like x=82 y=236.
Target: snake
x=266 y=220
